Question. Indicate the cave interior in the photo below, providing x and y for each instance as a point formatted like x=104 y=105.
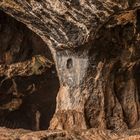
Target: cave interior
x=19 y=44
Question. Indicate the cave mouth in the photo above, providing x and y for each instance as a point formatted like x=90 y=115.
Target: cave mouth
x=26 y=102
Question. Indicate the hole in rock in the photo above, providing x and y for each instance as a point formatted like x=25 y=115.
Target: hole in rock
x=69 y=63
x=26 y=102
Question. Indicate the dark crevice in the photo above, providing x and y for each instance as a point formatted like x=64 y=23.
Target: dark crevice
x=69 y=63
x=138 y=20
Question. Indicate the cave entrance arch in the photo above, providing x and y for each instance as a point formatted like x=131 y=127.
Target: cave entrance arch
x=36 y=93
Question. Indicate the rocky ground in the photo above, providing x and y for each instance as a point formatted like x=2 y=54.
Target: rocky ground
x=91 y=134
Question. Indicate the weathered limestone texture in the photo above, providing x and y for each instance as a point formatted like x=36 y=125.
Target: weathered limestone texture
x=93 y=52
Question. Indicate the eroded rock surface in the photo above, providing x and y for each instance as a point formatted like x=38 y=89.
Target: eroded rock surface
x=90 y=134
x=95 y=50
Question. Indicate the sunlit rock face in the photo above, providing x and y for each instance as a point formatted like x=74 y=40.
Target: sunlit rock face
x=93 y=47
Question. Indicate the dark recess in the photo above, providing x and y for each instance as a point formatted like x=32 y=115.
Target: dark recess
x=69 y=63
x=17 y=44
x=138 y=20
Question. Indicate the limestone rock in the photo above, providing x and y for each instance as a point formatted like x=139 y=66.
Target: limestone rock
x=93 y=53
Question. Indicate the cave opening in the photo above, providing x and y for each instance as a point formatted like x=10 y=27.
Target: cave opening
x=27 y=102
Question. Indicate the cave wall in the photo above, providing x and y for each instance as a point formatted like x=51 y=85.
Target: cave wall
x=95 y=47
x=18 y=43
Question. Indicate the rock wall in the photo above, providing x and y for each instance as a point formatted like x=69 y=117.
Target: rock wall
x=95 y=50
